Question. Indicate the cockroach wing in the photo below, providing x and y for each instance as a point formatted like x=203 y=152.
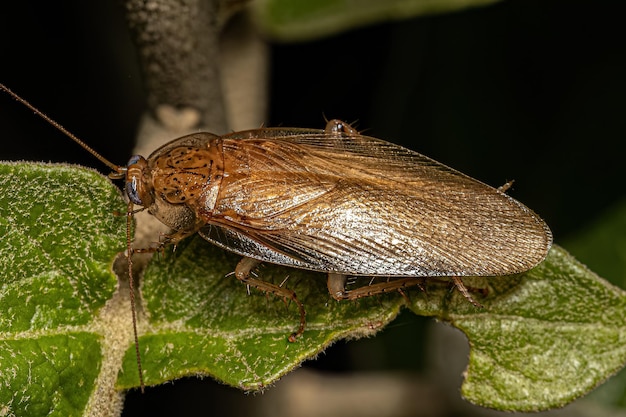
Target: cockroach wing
x=362 y=206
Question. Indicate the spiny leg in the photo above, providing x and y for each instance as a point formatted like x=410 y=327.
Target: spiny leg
x=458 y=283
x=243 y=271
x=340 y=128
x=336 y=287
x=505 y=187
x=169 y=239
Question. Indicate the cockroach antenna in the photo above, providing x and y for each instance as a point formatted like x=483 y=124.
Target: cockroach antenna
x=118 y=172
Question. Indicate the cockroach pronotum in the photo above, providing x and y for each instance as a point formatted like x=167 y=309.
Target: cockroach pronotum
x=332 y=201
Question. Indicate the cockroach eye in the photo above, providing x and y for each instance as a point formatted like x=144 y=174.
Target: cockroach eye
x=132 y=192
x=134 y=159
x=134 y=185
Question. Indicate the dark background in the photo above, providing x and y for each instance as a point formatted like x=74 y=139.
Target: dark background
x=527 y=90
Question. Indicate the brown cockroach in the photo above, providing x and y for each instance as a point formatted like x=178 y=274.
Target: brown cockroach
x=332 y=201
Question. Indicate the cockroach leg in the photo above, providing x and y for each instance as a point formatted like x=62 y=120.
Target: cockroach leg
x=405 y=296
x=177 y=236
x=336 y=285
x=337 y=127
x=167 y=240
x=243 y=271
x=458 y=283
x=505 y=187
x=336 y=288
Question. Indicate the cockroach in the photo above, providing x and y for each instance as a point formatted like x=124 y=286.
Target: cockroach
x=332 y=201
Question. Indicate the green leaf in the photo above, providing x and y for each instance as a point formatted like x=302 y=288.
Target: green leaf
x=59 y=239
x=549 y=339
x=204 y=323
x=602 y=246
x=293 y=20
x=542 y=339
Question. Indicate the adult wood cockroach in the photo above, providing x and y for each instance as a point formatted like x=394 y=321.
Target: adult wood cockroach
x=332 y=201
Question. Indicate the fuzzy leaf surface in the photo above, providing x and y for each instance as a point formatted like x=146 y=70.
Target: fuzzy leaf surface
x=542 y=338
x=59 y=239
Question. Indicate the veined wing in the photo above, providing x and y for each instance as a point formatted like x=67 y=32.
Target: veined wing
x=363 y=206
